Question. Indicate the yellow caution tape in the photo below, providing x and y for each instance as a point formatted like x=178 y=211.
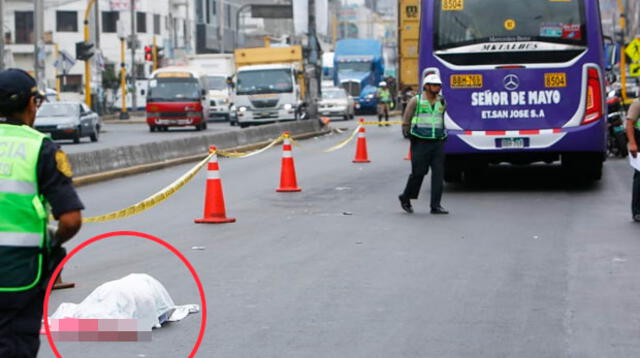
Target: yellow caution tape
x=153 y=200
x=380 y=123
x=249 y=154
x=344 y=142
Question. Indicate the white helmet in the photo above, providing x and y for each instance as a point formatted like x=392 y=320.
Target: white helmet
x=383 y=84
x=432 y=79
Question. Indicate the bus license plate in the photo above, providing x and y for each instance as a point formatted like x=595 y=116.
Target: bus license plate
x=172 y=121
x=511 y=143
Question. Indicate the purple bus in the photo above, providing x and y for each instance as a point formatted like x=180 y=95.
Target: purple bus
x=523 y=81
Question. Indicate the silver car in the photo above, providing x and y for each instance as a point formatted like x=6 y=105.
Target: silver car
x=68 y=120
x=336 y=103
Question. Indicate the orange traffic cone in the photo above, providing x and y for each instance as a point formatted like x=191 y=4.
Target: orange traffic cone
x=288 y=181
x=408 y=157
x=361 y=147
x=214 y=211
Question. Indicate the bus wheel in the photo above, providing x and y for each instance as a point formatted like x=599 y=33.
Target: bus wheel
x=152 y=128
x=583 y=166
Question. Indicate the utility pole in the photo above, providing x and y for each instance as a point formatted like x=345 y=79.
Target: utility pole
x=97 y=59
x=313 y=73
x=123 y=70
x=187 y=29
x=623 y=59
x=134 y=43
x=221 y=21
x=39 y=49
x=2 y=64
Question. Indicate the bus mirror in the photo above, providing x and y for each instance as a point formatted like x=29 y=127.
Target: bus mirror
x=203 y=92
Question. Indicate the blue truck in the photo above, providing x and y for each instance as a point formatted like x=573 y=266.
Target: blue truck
x=359 y=68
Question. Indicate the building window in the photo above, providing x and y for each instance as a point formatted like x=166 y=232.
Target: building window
x=110 y=21
x=140 y=70
x=66 y=21
x=156 y=24
x=207 y=12
x=214 y=7
x=227 y=13
x=71 y=83
x=24 y=27
x=141 y=22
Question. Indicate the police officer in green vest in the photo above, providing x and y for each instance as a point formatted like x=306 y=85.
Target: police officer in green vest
x=423 y=124
x=633 y=134
x=35 y=181
x=384 y=101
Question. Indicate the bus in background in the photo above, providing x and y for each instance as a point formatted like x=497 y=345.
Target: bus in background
x=523 y=81
x=177 y=97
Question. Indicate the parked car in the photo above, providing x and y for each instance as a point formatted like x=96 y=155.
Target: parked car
x=68 y=120
x=336 y=103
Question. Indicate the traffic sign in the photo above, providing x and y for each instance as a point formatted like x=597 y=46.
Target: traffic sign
x=633 y=50
x=634 y=69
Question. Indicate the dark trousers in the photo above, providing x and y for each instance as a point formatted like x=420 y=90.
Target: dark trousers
x=20 y=321
x=426 y=154
x=383 y=110
x=635 y=198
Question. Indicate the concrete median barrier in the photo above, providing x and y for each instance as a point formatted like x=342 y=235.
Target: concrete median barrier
x=136 y=158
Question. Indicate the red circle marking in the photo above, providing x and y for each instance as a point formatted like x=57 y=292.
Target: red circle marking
x=175 y=251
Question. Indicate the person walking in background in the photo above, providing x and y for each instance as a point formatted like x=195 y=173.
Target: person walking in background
x=633 y=135
x=384 y=100
x=423 y=123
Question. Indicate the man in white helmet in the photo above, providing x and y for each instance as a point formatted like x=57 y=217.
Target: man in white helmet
x=384 y=100
x=423 y=124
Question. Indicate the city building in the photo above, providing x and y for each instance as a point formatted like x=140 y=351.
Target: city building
x=170 y=21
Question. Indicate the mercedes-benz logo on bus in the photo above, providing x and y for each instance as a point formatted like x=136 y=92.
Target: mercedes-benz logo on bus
x=511 y=82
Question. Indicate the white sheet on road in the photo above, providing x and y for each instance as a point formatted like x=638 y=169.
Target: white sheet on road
x=136 y=296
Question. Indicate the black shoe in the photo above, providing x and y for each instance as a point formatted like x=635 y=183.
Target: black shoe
x=636 y=218
x=439 y=211
x=405 y=204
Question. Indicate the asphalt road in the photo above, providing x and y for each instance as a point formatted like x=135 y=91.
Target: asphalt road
x=114 y=134
x=526 y=265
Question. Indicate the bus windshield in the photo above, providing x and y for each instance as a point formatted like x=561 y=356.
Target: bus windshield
x=488 y=21
x=264 y=81
x=173 y=90
x=360 y=66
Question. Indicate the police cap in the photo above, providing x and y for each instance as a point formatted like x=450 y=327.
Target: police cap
x=16 y=87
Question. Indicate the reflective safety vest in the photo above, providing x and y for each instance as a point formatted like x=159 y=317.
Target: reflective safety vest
x=428 y=119
x=23 y=222
x=384 y=95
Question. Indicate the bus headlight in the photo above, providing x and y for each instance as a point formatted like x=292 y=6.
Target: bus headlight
x=242 y=109
x=288 y=106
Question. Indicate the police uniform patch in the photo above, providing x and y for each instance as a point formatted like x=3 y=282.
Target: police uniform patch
x=63 y=164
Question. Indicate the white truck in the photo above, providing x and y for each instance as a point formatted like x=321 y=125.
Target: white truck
x=219 y=70
x=270 y=85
